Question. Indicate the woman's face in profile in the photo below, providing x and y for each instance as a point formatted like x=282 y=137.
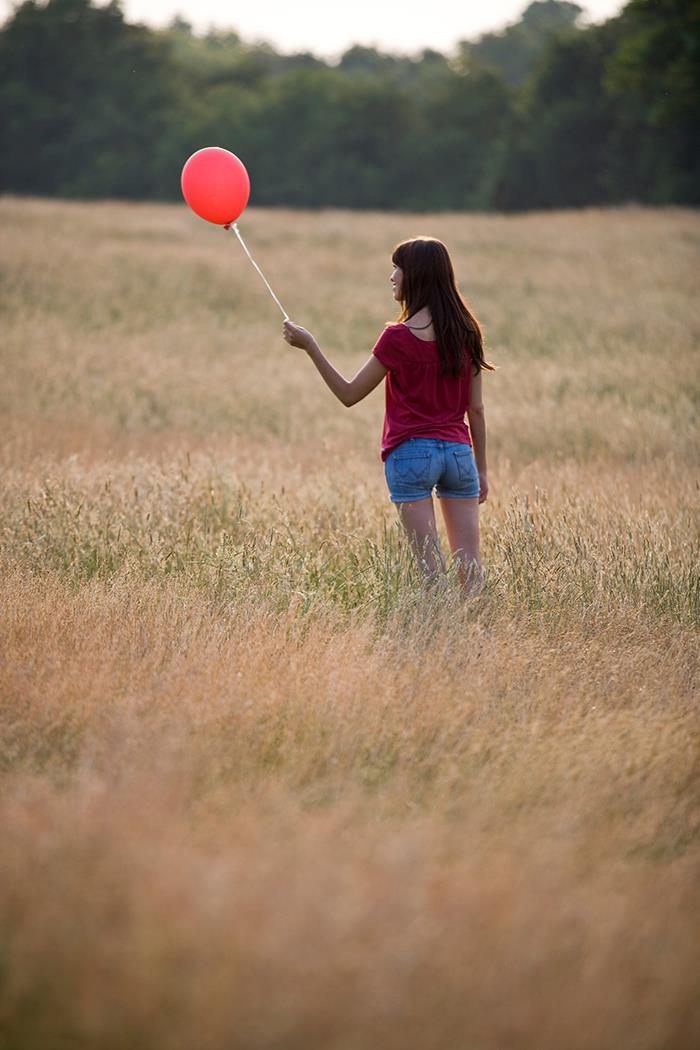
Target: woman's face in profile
x=396 y=281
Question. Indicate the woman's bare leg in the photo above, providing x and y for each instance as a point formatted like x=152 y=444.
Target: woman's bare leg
x=462 y=524
x=418 y=519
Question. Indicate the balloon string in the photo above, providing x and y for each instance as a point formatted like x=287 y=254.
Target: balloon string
x=234 y=226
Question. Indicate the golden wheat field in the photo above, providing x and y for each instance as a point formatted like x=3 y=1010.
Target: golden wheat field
x=260 y=788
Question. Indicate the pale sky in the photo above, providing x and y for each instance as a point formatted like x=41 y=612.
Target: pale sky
x=327 y=28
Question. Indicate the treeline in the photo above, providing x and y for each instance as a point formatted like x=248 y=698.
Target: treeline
x=547 y=113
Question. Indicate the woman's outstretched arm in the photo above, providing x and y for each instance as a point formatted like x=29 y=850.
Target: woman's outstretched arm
x=349 y=392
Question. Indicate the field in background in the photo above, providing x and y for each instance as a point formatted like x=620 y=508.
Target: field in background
x=258 y=787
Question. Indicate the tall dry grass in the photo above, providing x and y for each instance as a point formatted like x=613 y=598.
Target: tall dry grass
x=259 y=786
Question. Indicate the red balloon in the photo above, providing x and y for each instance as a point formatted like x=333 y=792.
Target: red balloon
x=215 y=184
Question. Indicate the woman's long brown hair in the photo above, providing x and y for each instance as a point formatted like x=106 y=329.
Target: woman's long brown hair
x=429 y=281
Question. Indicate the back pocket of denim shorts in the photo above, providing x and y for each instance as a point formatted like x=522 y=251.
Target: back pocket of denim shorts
x=466 y=467
x=412 y=469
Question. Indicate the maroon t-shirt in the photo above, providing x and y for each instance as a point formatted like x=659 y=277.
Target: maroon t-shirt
x=419 y=401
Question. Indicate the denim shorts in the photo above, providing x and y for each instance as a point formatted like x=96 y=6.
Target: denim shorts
x=415 y=466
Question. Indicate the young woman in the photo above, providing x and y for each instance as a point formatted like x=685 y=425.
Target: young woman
x=432 y=358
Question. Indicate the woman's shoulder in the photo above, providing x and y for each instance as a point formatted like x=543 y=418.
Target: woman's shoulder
x=391 y=334
x=397 y=332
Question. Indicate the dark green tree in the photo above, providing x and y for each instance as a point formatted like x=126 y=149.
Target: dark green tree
x=545 y=114
x=514 y=52
x=653 y=76
x=85 y=102
x=321 y=138
x=455 y=139
x=559 y=148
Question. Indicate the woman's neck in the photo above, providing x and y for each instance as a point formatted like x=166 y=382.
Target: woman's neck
x=420 y=319
x=421 y=326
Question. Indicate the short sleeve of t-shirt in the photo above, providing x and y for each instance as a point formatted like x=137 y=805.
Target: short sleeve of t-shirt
x=385 y=349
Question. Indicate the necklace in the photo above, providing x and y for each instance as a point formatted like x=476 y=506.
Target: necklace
x=417 y=327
